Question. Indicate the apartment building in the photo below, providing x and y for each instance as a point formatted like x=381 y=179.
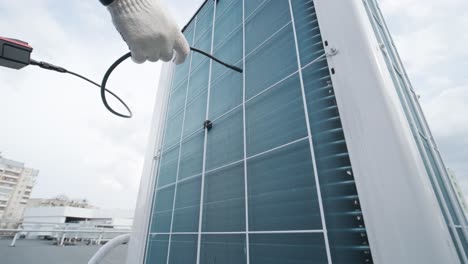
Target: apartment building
x=16 y=185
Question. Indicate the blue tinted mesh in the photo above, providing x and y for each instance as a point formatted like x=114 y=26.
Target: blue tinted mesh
x=265 y=22
x=307 y=30
x=162 y=210
x=188 y=33
x=225 y=249
x=287 y=248
x=195 y=114
x=282 y=190
x=161 y=222
x=164 y=199
x=349 y=246
x=277 y=55
x=204 y=43
x=252 y=6
x=183 y=249
x=172 y=131
x=177 y=101
x=181 y=71
x=157 y=249
x=198 y=81
x=187 y=206
x=204 y=21
x=168 y=167
x=229 y=51
x=229 y=18
x=220 y=151
x=224 y=200
x=191 y=160
x=226 y=93
x=276 y=117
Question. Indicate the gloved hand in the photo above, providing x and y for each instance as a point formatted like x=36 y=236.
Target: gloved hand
x=150 y=32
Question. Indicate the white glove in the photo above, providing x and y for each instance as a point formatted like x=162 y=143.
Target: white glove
x=150 y=32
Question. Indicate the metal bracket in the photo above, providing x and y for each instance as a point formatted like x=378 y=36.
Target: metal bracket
x=157 y=156
x=208 y=125
x=332 y=52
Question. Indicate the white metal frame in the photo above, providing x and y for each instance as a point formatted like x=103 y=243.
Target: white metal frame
x=200 y=216
x=426 y=130
x=180 y=144
x=403 y=221
x=142 y=219
x=396 y=70
x=244 y=120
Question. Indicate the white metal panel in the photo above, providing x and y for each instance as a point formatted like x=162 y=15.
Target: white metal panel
x=137 y=245
x=403 y=221
x=44 y=219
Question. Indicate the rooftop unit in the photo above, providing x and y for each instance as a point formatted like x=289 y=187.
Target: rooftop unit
x=317 y=153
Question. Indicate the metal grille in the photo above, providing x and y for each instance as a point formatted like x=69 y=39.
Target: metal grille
x=271 y=182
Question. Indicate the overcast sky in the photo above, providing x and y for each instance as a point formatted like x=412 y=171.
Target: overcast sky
x=57 y=124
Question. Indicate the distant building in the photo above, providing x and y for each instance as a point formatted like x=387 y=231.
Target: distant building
x=458 y=190
x=51 y=218
x=59 y=201
x=16 y=184
x=68 y=215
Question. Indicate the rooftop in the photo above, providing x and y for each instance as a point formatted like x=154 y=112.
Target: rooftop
x=44 y=252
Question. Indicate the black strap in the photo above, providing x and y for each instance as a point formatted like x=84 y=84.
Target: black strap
x=106 y=2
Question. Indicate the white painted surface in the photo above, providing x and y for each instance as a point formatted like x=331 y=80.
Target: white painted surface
x=45 y=219
x=137 y=245
x=403 y=220
x=59 y=214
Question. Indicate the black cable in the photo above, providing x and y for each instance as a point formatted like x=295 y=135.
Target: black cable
x=103 y=91
x=239 y=70
x=52 y=67
x=48 y=66
x=104 y=83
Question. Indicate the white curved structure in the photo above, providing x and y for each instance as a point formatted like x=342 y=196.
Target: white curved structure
x=403 y=218
x=108 y=247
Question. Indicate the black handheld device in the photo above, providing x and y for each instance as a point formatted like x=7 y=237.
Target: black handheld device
x=14 y=54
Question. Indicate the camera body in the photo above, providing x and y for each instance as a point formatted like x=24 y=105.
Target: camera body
x=14 y=54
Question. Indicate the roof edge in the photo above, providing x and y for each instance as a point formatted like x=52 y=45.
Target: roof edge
x=194 y=15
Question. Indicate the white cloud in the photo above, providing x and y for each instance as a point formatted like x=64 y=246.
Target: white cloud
x=447 y=113
x=432 y=40
x=428 y=33
x=57 y=123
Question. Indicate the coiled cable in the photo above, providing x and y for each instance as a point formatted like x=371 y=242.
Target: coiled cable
x=104 y=90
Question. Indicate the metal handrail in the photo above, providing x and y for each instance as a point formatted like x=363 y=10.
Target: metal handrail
x=64 y=232
x=64 y=224
x=60 y=230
